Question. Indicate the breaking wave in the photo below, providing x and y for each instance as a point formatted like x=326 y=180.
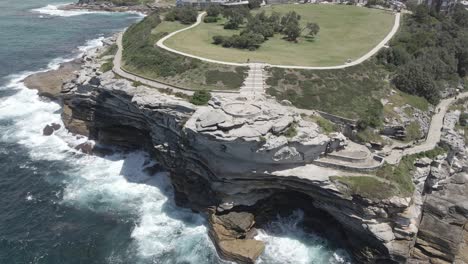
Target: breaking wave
x=54 y=10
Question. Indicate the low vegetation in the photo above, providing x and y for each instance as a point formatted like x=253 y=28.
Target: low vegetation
x=291 y=131
x=401 y=174
x=200 y=97
x=111 y=50
x=326 y=125
x=390 y=180
x=140 y=56
x=352 y=92
x=365 y=186
x=106 y=66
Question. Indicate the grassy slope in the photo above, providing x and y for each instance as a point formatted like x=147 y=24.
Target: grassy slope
x=352 y=92
x=397 y=180
x=345 y=32
x=143 y=58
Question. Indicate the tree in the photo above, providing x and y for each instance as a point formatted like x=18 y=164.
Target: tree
x=290 y=26
x=185 y=14
x=313 y=28
x=422 y=14
x=255 y=4
x=460 y=16
x=236 y=18
x=412 y=79
x=292 y=31
x=213 y=10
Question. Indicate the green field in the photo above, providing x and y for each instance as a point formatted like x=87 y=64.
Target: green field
x=140 y=56
x=346 y=32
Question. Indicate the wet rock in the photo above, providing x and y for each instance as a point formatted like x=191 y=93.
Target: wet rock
x=50 y=129
x=86 y=147
x=232 y=235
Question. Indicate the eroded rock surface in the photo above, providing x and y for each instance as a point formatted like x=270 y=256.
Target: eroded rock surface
x=234 y=153
x=232 y=235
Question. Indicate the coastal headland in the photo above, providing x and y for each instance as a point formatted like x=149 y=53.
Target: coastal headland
x=241 y=157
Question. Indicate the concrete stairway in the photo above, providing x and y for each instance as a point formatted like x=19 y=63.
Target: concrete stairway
x=254 y=84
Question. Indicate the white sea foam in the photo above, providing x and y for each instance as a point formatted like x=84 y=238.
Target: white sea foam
x=287 y=243
x=54 y=10
x=117 y=185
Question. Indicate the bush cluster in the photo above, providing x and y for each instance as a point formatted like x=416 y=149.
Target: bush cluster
x=139 y=52
x=249 y=41
x=184 y=14
x=430 y=53
x=200 y=97
x=261 y=27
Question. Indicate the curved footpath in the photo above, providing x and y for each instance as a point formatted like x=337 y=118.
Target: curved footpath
x=117 y=69
x=372 y=52
x=434 y=134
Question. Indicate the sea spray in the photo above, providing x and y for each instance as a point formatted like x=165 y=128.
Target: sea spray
x=54 y=10
x=61 y=206
x=287 y=243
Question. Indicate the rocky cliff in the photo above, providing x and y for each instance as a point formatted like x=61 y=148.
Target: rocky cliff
x=255 y=157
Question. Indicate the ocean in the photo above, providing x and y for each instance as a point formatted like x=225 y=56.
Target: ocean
x=59 y=206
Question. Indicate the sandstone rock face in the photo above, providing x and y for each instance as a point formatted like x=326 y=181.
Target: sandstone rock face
x=405 y=115
x=442 y=236
x=233 y=153
x=229 y=233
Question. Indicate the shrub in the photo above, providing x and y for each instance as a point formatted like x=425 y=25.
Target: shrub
x=291 y=131
x=107 y=66
x=464 y=119
x=210 y=19
x=412 y=79
x=200 y=97
x=185 y=14
x=249 y=41
x=413 y=131
x=213 y=10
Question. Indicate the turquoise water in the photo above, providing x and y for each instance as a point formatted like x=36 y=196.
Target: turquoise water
x=59 y=206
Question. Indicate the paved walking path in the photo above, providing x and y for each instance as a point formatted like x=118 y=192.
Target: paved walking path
x=152 y=83
x=372 y=52
x=434 y=133
x=160 y=44
x=254 y=84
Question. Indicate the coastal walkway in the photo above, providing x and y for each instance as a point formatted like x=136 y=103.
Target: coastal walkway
x=434 y=134
x=254 y=84
x=118 y=69
x=366 y=56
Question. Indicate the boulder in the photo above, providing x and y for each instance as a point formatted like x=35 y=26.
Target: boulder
x=50 y=129
x=212 y=118
x=281 y=124
x=86 y=147
x=232 y=235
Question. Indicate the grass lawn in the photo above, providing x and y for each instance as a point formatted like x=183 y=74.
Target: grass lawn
x=141 y=56
x=345 y=32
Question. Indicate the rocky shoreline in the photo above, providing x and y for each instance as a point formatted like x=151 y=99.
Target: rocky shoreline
x=49 y=83
x=108 y=6
x=241 y=169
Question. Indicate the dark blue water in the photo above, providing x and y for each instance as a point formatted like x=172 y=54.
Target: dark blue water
x=59 y=206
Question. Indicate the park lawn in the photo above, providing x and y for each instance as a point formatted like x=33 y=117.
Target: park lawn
x=166 y=27
x=346 y=32
x=142 y=57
